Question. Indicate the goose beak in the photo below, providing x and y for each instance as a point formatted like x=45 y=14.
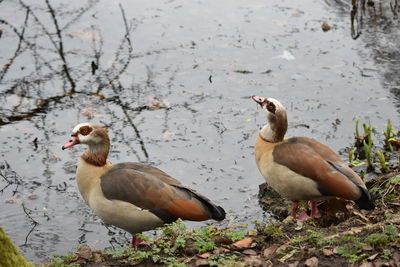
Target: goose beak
x=258 y=99
x=73 y=141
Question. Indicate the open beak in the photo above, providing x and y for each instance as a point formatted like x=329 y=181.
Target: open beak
x=73 y=141
x=258 y=99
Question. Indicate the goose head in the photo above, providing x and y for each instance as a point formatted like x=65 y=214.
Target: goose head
x=95 y=136
x=275 y=129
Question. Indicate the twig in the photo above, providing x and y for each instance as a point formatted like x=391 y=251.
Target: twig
x=60 y=48
x=29 y=233
x=27 y=214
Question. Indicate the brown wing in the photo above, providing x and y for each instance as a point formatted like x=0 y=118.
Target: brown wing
x=151 y=189
x=321 y=164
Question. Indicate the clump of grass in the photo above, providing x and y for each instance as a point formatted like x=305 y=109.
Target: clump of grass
x=312 y=238
x=382 y=160
x=223 y=260
x=272 y=229
x=352 y=250
x=390 y=135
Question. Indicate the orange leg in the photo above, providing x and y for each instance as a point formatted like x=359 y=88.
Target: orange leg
x=314 y=210
x=136 y=242
x=293 y=212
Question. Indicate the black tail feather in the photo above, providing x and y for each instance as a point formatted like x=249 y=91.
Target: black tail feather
x=218 y=213
x=365 y=202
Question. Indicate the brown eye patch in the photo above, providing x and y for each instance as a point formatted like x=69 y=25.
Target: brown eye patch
x=85 y=130
x=271 y=107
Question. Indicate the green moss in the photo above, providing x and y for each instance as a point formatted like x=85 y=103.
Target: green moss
x=228 y=260
x=312 y=238
x=9 y=255
x=273 y=230
x=377 y=239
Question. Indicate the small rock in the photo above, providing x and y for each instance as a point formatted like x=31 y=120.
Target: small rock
x=327 y=252
x=252 y=233
x=325 y=27
x=84 y=252
x=243 y=244
x=367 y=248
x=293 y=264
x=311 y=262
x=249 y=252
x=373 y=257
x=366 y=264
x=221 y=240
x=201 y=262
x=205 y=255
x=269 y=252
x=252 y=261
x=311 y=250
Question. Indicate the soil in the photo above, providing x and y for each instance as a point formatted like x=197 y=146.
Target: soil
x=345 y=237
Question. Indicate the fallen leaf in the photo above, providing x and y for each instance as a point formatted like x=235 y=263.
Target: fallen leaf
x=311 y=250
x=218 y=239
x=32 y=197
x=100 y=96
x=201 y=262
x=373 y=257
x=268 y=263
x=205 y=255
x=366 y=264
x=327 y=252
x=360 y=215
x=311 y=262
x=249 y=252
x=396 y=258
x=243 y=244
x=252 y=261
x=252 y=233
x=221 y=250
x=325 y=27
x=367 y=248
x=84 y=252
x=287 y=255
x=269 y=252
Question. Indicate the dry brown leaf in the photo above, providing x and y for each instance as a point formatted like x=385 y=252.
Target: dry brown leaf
x=373 y=257
x=243 y=244
x=312 y=262
x=252 y=233
x=100 y=96
x=293 y=264
x=269 y=252
x=201 y=262
x=249 y=252
x=252 y=261
x=360 y=215
x=268 y=263
x=205 y=255
x=396 y=258
x=84 y=252
x=367 y=248
x=325 y=27
x=327 y=252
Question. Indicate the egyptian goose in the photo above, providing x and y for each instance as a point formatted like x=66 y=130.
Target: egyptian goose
x=301 y=168
x=133 y=196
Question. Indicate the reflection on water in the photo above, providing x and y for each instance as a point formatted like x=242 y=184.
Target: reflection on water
x=172 y=81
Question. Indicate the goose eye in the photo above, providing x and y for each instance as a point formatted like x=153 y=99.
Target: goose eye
x=85 y=130
x=271 y=107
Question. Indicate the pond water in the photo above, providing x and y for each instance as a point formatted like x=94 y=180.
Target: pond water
x=195 y=64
